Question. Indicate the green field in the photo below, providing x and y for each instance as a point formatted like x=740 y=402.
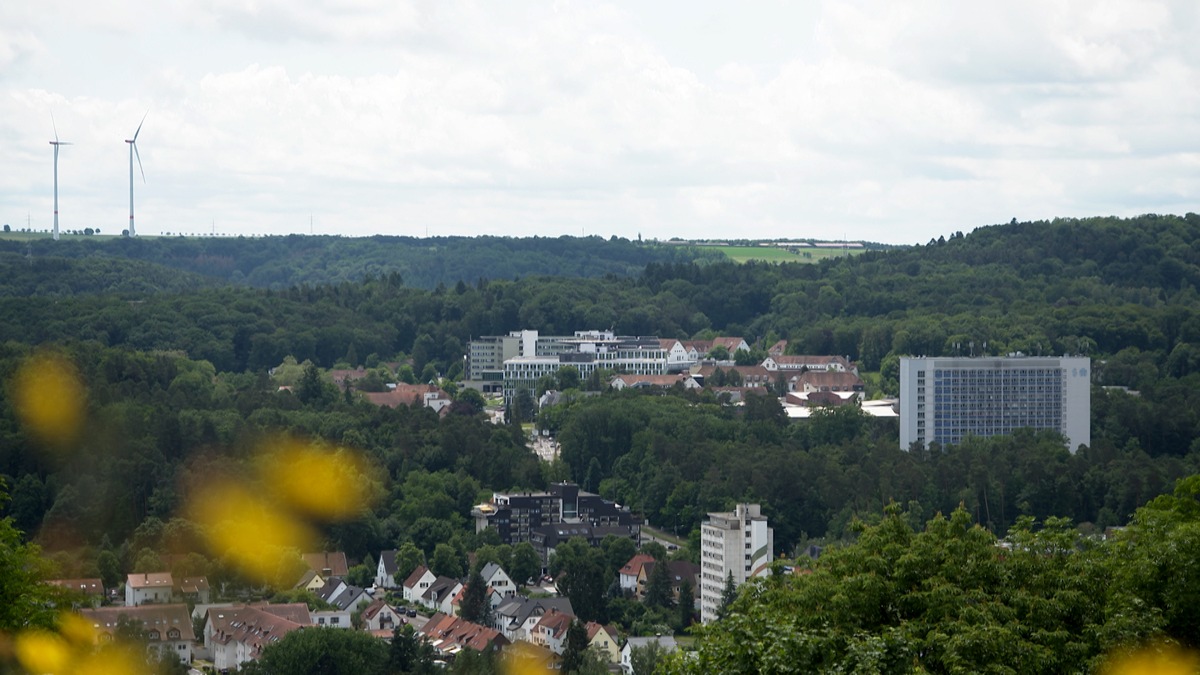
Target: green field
x=777 y=254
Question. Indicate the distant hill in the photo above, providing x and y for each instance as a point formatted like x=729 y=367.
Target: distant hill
x=282 y=262
x=24 y=275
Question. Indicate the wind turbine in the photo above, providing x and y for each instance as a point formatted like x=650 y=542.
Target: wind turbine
x=56 y=143
x=134 y=151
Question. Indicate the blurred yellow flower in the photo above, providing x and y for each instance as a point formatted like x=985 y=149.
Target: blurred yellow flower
x=250 y=530
x=42 y=652
x=331 y=484
x=76 y=629
x=111 y=661
x=1155 y=660
x=48 y=396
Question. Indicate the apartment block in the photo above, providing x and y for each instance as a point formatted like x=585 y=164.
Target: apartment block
x=738 y=545
x=946 y=399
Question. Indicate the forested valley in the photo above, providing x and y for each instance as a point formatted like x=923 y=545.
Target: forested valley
x=181 y=374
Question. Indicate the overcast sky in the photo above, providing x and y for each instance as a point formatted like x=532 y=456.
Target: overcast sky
x=887 y=121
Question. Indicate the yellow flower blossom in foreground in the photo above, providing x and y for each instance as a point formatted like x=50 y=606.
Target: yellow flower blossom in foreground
x=76 y=629
x=320 y=482
x=250 y=530
x=1164 y=660
x=49 y=398
x=42 y=652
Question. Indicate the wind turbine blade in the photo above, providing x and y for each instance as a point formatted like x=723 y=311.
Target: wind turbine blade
x=55 y=126
x=139 y=158
x=139 y=129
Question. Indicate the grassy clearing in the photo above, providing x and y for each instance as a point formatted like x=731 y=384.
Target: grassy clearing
x=774 y=254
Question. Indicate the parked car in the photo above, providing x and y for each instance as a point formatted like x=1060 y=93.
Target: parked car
x=411 y=612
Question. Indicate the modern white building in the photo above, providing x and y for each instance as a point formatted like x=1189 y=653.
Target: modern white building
x=739 y=545
x=486 y=355
x=587 y=352
x=946 y=399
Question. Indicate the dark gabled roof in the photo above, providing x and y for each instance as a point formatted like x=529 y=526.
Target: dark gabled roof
x=440 y=588
x=388 y=558
x=526 y=607
x=489 y=570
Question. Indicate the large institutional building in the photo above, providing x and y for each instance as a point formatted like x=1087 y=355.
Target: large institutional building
x=486 y=355
x=738 y=545
x=546 y=519
x=946 y=399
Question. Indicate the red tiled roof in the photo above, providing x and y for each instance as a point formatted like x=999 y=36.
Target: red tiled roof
x=449 y=631
x=334 y=561
x=415 y=576
x=634 y=566
x=150 y=580
x=161 y=618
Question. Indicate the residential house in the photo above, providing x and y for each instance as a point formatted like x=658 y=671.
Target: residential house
x=491 y=597
x=516 y=616
x=819 y=363
x=653 y=381
x=747 y=376
x=449 y=635
x=629 y=574
x=678 y=572
x=200 y=613
x=193 y=590
x=148 y=588
x=551 y=631
x=418 y=581
x=92 y=590
x=327 y=563
x=440 y=595
x=698 y=349
x=603 y=639
x=380 y=617
x=666 y=643
x=343 y=595
x=678 y=357
x=331 y=618
x=310 y=581
x=498 y=580
x=778 y=349
x=385 y=571
x=168 y=628
x=236 y=635
x=344 y=377
x=825 y=381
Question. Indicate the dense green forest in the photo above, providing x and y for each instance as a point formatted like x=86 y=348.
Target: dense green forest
x=175 y=363
x=294 y=260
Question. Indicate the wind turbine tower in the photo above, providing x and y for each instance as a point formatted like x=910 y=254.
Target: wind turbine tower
x=134 y=151
x=56 y=143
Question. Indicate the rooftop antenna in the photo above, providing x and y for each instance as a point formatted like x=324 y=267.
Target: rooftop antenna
x=56 y=143
x=134 y=151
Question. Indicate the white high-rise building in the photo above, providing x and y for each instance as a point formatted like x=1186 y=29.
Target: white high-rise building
x=945 y=399
x=738 y=544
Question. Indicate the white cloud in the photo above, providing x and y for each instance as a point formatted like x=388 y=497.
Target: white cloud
x=885 y=121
